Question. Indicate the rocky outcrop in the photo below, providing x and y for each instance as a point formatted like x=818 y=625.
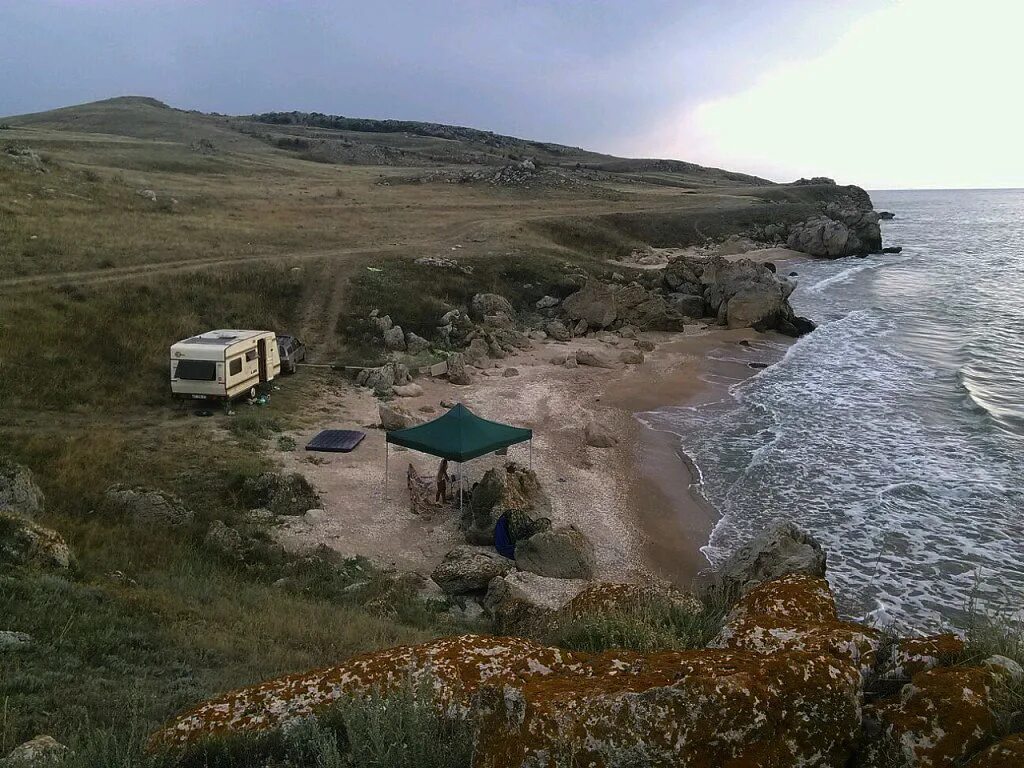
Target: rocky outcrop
x=24 y=543
x=562 y=553
x=470 y=569
x=779 y=550
x=146 y=506
x=847 y=227
x=18 y=490
x=503 y=490
x=282 y=494
x=740 y=293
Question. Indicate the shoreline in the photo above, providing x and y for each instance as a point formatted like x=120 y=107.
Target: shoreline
x=639 y=501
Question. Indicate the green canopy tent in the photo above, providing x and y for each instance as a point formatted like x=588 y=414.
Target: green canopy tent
x=459 y=435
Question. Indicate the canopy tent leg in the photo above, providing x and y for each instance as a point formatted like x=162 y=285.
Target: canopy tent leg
x=460 y=489
x=387 y=450
x=531 y=453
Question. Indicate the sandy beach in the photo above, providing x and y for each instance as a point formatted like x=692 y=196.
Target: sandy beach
x=638 y=501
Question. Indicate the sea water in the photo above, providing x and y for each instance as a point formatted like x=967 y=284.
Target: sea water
x=895 y=432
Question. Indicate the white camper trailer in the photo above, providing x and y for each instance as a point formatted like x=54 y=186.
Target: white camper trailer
x=223 y=365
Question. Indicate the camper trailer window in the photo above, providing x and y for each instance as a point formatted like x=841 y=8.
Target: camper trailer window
x=251 y=355
x=235 y=366
x=196 y=370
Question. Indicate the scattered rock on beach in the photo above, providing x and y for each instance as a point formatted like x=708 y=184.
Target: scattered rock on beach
x=394 y=416
x=510 y=372
x=598 y=435
x=457 y=373
x=631 y=357
x=283 y=494
x=18 y=490
x=556 y=330
x=408 y=390
x=584 y=357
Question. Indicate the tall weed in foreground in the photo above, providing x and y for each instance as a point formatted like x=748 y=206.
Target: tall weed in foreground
x=999 y=633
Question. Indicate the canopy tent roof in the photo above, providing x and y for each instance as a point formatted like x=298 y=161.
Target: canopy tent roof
x=459 y=435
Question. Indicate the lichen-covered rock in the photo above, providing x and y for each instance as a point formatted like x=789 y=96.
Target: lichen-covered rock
x=18 y=490
x=282 y=494
x=779 y=550
x=605 y=598
x=693 y=709
x=503 y=490
x=563 y=553
x=40 y=752
x=1008 y=753
x=938 y=719
x=470 y=569
x=146 y=506
x=797 y=612
x=909 y=656
x=27 y=544
x=457 y=667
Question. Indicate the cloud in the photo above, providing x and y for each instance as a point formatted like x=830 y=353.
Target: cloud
x=919 y=94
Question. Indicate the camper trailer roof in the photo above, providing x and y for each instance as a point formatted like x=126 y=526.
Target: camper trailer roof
x=222 y=338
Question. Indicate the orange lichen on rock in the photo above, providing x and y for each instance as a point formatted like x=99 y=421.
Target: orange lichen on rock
x=798 y=613
x=1008 y=753
x=938 y=719
x=600 y=599
x=692 y=708
x=457 y=666
x=919 y=654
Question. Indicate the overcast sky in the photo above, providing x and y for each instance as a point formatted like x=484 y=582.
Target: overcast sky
x=881 y=93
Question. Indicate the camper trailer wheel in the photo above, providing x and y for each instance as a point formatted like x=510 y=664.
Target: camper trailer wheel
x=252 y=393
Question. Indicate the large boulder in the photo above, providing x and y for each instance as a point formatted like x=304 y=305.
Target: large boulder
x=282 y=494
x=415 y=344
x=740 y=293
x=40 y=752
x=394 y=416
x=470 y=569
x=511 y=489
x=556 y=330
x=394 y=338
x=593 y=304
x=457 y=373
x=522 y=599
x=24 y=543
x=646 y=310
x=146 y=506
x=485 y=304
x=563 y=553
x=779 y=550
x=18 y=490
x=477 y=353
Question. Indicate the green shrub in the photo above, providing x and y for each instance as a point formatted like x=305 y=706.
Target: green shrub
x=999 y=634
